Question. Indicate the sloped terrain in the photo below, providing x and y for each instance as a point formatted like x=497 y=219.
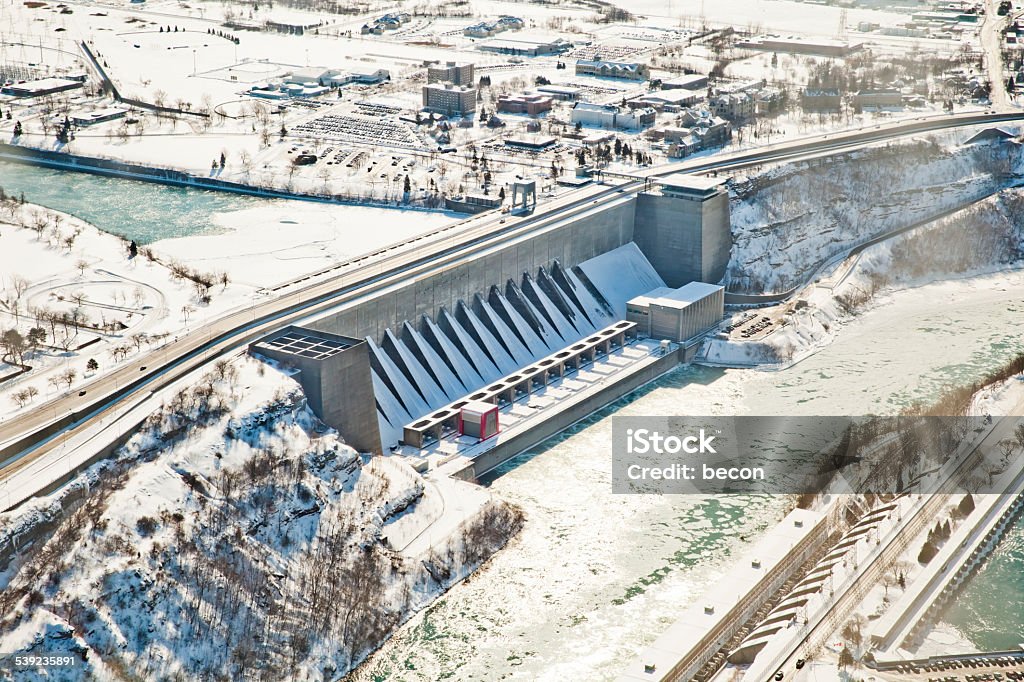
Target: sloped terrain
x=235 y=537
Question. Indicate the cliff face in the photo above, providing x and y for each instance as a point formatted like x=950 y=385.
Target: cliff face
x=790 y=219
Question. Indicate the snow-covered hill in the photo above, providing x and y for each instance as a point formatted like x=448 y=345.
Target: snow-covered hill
x=234 y=538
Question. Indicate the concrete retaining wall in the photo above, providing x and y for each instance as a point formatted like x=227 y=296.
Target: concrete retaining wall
x=570 y=243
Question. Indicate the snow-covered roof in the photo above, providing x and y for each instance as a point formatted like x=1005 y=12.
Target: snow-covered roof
x=685 y=183
x=675 y=298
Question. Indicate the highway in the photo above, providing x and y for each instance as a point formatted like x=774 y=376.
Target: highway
x=31 y=435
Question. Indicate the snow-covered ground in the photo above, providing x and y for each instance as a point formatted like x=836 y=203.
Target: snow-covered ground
x=135 y=304
x=234 y=511
x=981 y=239
x=782 y=230
x=281 y=241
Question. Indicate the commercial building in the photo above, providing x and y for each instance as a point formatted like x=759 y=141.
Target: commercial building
x=40 y=88
x=526 y=46
x=611 y=116
x=451 y=72
x=608 y=69
x=677 y=314
x=449 y=99
x=524 y=104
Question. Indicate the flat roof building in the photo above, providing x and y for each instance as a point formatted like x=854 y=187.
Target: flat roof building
x=689 y=81
x=449 y=99
x=607 y=69
x=524 y=46
x=334 y=372
x=88 y=118
x=524 y=104
x=560 y=92
x=455 y=73
x=678 y=314
x=41 y=87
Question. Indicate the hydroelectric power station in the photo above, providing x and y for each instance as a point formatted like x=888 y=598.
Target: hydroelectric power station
x=392 y=370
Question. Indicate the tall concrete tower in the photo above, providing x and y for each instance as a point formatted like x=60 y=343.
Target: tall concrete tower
x=682 y=226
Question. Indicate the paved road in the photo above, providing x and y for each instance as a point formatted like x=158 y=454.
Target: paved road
x=31 y=435
x=916 y=523
x=992 y=46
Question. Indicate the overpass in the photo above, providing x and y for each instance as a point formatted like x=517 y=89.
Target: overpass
x=27 y=437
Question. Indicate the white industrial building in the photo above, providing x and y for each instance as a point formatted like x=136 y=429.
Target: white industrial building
x=677 y=314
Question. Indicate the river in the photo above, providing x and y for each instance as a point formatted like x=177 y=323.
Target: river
x=594 y=576
x=989 y=609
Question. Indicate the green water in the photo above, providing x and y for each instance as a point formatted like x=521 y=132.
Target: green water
x=989 y=610
x=143 y=211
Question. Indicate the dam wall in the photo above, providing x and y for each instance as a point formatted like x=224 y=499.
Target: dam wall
x=570 y=241
x=425 y=342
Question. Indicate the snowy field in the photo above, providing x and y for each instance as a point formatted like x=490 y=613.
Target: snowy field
x=283 y=240
x=127 y=307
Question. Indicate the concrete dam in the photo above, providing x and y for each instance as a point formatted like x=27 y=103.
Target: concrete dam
x=372 y=366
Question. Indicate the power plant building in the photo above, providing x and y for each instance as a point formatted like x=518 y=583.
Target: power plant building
x=678 y=314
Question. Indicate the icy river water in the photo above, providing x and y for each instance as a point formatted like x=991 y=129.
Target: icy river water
x=594 y=576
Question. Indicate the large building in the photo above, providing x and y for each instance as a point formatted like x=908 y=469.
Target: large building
x=611 y=116
x=486 y=29
x=667 y=100
x=449 y=99
x=451 y=72
x=689 y=81
x=799 y=45
x=677 y=314
x=683 y=228
x=524 y=45
x=601 y=67
x=40 y=88
x=334 y=372
x=875 y=99
x=524 y=104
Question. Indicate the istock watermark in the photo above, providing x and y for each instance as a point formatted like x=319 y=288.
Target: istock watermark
x=811 y=454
